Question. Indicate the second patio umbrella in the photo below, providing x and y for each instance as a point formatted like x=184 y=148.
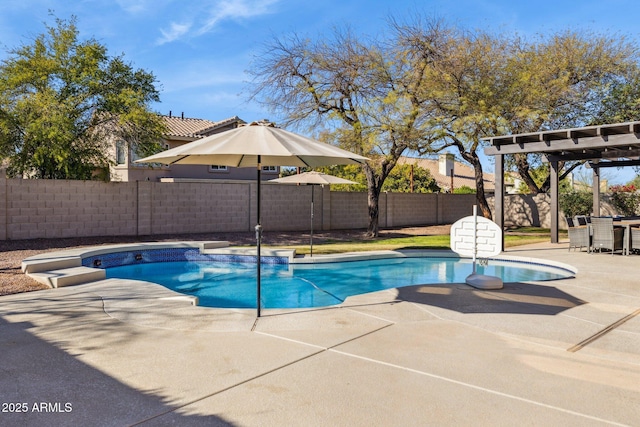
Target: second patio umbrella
x=312 y=178
x=257 y=144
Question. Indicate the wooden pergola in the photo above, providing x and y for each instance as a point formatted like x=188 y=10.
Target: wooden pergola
x=604 y=146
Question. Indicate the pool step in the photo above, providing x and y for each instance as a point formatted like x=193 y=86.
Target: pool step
x=38 y=265
x=68 y=276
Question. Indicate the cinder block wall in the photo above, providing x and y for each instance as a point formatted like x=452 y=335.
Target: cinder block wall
x=405 y=209
x=187 y=207
x=348 y=210
x=452 y=207
x=58 y=208
x=4 y=201
x=288 y=207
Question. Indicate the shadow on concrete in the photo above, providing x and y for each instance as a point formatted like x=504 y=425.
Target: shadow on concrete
x=44 y=385
x=518 y=298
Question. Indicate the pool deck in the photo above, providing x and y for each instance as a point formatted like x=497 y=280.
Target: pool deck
x=563 y=352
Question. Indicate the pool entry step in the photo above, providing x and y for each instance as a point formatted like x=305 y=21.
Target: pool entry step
x=69 y=276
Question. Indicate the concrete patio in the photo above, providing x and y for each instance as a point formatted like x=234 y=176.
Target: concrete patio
x=107 y=353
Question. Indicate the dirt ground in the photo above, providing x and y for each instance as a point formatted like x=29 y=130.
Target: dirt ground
x=12 y=252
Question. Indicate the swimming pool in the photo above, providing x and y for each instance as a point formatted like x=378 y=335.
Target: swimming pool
x=232 y=284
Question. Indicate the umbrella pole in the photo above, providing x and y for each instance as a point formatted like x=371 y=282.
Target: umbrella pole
x=258 y=239
x=311 y=235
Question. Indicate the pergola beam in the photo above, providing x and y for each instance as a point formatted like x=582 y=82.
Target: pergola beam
x=614 y=164
x=588 y=154
x=553 y=135
x=572 y=144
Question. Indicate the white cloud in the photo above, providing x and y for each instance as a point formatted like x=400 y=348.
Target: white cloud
x=220 y=11
x=235 y=10
x=175 y=32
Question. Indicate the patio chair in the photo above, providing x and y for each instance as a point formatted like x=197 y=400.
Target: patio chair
x=635 y=239
x=580 y=220
x=606 y=236
x=578 y=235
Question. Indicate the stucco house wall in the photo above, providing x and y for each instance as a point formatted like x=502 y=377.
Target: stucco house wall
x=181 y=131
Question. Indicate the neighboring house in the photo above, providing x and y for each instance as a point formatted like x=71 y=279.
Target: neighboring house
x=183 y=130
x=440 y=169
x=512 y=183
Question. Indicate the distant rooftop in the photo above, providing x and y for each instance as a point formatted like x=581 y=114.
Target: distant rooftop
x=463 y=174
x=185 y=127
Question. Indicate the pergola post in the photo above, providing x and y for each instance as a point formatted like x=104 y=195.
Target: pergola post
x=553 y=175
x=498 y=197
x=596 y=190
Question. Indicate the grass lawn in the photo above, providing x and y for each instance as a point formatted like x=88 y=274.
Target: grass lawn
x=515 y=237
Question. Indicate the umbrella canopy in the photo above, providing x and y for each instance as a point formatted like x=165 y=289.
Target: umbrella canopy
x=255 y=145
x=312 y=177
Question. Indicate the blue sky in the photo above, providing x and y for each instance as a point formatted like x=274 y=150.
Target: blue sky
x=199 y=49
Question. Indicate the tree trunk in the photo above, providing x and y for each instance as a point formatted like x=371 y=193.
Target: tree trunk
x=373 y=198
x=481 y=197
x=374 y=186
x=522 y=164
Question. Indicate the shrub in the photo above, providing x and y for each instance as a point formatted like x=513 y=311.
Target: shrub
x=625 y=199
x=576 y=202
x=464 y=190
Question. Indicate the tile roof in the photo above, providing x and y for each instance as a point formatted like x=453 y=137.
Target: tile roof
x=463 y=174
x=221 y=123
x=194 y=128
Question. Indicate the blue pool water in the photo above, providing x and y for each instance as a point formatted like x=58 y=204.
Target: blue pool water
x=233 y=284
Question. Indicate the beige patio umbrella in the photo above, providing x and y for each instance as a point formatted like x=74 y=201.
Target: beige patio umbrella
x=312 y=178
x=256 y=145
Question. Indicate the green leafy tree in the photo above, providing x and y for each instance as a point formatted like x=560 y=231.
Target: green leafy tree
x=410 y=179
x=540 y=175
x=622 y=102
x=351 y=172
x=403 y=179
x=62 y=100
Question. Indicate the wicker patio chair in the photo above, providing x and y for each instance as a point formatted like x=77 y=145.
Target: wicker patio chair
x=580 y=220
x=635 y=239
x=578 y=236
x=606 y=236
